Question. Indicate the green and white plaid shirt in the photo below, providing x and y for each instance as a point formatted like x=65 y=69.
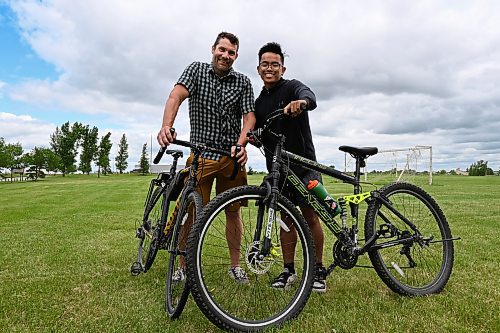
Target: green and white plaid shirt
x=216 y=105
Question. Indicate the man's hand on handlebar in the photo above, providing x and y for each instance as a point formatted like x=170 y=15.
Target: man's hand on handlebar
x=166 y=136
x=295 y=108
x=241 y=155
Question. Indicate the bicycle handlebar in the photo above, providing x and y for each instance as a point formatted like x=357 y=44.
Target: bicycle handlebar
x=271 y=117
x=200 y=147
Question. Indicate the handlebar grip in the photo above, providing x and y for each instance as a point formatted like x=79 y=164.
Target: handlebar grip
x=159 y=155
x=236 y=166
x=162 y=150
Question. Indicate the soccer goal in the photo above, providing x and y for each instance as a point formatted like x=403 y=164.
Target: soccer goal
x=404 y=164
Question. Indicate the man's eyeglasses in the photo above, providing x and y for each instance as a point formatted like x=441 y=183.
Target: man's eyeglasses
x=273 y=65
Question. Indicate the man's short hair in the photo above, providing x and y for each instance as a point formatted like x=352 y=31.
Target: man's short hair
x=231 y=37
x=272 y=47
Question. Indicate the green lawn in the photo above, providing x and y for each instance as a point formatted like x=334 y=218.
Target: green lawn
x=67 y=245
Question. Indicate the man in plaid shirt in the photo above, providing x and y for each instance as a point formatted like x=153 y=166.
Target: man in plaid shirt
x=219 y=97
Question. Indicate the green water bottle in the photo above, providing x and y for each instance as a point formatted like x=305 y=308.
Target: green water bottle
x=320 y=191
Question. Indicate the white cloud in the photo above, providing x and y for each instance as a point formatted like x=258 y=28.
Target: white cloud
x=389 y=74
x=25 y=129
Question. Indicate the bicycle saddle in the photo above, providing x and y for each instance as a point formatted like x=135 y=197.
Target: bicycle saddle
x=362 y=152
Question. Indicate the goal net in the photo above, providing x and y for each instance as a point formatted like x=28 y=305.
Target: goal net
x=404 y=164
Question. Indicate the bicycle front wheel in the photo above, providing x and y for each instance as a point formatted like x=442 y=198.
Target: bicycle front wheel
x=248 y=303
x=422 y=262
x=177 y=288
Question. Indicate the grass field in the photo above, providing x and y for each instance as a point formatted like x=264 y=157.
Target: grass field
x=67 y=245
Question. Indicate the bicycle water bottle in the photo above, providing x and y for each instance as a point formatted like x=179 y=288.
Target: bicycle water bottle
x=320 y=191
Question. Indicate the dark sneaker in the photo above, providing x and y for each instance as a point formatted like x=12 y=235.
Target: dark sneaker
x=319 y=284
x=238 y=274
x=179 y=275
x=285 y=280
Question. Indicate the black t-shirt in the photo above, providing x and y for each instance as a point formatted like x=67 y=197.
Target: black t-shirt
x=297 y=129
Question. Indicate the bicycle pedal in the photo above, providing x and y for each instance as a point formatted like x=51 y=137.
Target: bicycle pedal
x=136 y=268
x=139 y=233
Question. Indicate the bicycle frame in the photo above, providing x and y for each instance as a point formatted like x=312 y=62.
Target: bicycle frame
x=281 y=158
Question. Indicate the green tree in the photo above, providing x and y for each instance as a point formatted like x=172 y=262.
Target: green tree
x=64 y=143
x=121 y=158
x=10 y=156
x=53 y=161
x=38 y=159
x=89 y=148
x=102 y=160
x=479 y=168
x=144 y=161
x=3 y=153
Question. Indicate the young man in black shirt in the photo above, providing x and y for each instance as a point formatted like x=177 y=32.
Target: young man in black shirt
x=291 y=95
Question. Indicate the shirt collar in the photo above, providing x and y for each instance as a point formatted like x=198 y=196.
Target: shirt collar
x=279 y=84
x=231 y=73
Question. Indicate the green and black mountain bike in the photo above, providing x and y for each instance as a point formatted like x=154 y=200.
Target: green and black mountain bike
x=406 y=236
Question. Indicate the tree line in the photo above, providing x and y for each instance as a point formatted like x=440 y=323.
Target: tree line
x=480 y=168
x=65 y=144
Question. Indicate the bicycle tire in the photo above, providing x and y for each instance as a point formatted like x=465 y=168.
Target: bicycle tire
x=152 y=227
x=177 y=292
x=255 y=305
x=432 y=263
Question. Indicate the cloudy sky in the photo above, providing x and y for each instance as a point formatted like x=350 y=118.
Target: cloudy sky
x=392 y=74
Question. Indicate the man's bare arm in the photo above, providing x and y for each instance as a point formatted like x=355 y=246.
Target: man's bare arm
x=174 y=101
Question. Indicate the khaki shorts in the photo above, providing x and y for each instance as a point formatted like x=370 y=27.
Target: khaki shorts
x=220 y=171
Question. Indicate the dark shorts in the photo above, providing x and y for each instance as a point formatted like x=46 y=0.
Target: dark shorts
x=291 y=193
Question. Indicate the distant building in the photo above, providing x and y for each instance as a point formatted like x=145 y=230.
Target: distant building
x=157 y=168
x=461 y=173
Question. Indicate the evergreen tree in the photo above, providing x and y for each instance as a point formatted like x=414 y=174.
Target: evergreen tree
x=121 y=158
x=103 y=155
x=89 y=148
x=144 y=162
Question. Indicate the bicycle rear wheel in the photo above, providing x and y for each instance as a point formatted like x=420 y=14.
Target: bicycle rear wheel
x=422 y=265
x=176 y=286
x=151 y=230
x=255 y=305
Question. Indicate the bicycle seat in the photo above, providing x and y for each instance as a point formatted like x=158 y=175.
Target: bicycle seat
x=175 y=153
x=362 y=152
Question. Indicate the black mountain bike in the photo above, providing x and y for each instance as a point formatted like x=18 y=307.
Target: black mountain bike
x=406 y=237
x=150 y=233
x=159 y=231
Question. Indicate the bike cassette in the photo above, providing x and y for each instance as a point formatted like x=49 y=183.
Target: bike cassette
x=261 y=265
x=343 y=256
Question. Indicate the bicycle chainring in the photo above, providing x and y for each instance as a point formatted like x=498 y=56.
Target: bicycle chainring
x=343 y=256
